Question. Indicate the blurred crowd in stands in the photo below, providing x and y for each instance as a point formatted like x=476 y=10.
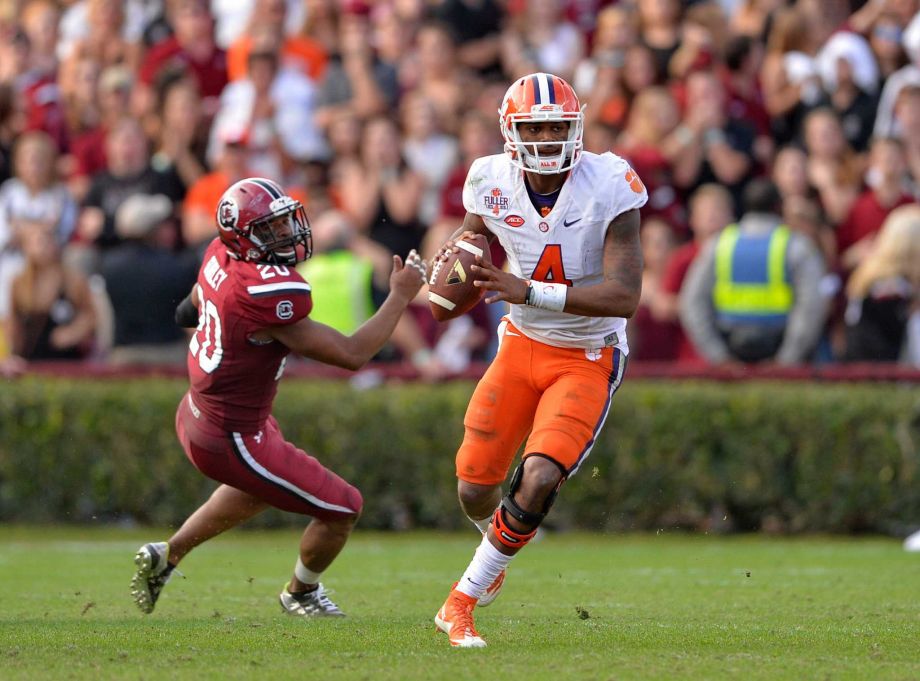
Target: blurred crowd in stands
x=121 y=124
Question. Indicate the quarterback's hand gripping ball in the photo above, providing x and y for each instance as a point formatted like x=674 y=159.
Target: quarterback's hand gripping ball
x=451 y=292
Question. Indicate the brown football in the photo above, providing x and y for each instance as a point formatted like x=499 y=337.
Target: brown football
x=450 y=287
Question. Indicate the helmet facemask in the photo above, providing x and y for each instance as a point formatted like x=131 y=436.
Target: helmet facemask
x=528 y=156
x=283 y=237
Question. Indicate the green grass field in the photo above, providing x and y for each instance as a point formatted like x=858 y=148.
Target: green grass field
x=575 y=606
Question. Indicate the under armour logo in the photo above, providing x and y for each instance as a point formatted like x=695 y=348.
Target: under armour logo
x=258 y=437
x=567 y=223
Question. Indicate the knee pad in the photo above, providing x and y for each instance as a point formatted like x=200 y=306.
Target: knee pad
x=509 y=536
x=518 y=513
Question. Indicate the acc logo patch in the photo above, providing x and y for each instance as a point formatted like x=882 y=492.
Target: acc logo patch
x=514 y=221
x=284 y=309
x=228 y=214
x=457 y=274
x=543 y=227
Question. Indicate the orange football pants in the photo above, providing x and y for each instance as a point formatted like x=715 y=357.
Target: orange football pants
x=561 y=396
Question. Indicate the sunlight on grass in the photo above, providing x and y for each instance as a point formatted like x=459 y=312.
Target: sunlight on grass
x=575 y=606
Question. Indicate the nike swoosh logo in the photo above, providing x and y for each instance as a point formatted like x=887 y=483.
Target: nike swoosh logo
x=566 y=223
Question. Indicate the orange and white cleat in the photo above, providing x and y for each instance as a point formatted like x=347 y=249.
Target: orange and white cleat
x=455 y=618
x=492 y=592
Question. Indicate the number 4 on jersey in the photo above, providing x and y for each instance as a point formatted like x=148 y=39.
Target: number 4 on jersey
x=549 y=267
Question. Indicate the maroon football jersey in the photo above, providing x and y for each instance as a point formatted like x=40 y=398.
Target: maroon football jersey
x=234 y=379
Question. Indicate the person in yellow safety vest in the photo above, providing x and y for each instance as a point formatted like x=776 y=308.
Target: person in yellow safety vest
x=340 y=274
x=348 y=274
x=753 y=294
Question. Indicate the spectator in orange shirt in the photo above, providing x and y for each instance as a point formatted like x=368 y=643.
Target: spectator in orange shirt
x=230 y=166
x=297 y=51
x=198 y=208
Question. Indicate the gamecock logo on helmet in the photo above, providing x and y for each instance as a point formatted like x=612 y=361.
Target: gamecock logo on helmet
x=228 y=214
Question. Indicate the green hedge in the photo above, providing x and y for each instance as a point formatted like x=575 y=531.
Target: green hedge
x=740 y=456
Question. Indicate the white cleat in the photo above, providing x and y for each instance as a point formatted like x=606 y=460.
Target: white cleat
x=152 y=574
x=310 y=604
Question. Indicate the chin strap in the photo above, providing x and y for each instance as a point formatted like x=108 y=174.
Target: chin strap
x=533 y=163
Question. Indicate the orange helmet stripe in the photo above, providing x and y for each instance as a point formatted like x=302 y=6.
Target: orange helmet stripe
x=530 y=94
x=556 y=91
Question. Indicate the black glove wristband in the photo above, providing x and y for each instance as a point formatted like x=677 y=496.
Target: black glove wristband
x=187 y=313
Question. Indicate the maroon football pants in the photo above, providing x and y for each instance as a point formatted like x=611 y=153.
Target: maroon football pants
x=265 y=465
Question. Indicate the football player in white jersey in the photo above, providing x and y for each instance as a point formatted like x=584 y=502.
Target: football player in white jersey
x=568 y=220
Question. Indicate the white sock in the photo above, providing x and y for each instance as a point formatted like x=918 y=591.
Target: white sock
x=305 y=574
x=483 y=524
x=487 y=562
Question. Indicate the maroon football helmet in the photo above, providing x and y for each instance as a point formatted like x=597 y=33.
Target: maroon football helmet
x=258 y=222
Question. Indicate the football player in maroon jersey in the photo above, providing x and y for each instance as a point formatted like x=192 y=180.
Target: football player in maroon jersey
x=251 y=308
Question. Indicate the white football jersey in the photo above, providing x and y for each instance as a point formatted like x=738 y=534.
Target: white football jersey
x=566 y=246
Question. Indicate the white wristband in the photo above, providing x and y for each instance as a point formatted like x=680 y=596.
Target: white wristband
x=546 y=296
